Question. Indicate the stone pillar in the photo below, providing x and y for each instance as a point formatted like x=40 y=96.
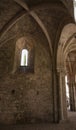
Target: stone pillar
x=62 y=94
x=55 y=98
x=75 y=90
x=60 y=97
x=72 y=92
x=75 y=96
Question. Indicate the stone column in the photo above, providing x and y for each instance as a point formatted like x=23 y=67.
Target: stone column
x=55 y=97
x=75 y=89
x=72 y=95
x=75 y=96
x=62 y=94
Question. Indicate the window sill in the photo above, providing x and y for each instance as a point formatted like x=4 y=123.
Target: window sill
x=26 y=69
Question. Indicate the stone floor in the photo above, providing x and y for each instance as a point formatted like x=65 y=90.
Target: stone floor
x=70 y=124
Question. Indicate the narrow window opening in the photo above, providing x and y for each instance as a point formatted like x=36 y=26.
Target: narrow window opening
x=24 y=58
x=67 y=93
x=74 y=2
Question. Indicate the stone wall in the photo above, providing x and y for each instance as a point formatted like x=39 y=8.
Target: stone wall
x=29 y=97
x=26 y=97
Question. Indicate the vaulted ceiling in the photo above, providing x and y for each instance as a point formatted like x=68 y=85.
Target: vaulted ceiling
x=45 y=13
x=46 y=16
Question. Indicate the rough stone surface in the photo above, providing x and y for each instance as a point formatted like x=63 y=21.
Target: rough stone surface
x=32 y=97
x=26 y=97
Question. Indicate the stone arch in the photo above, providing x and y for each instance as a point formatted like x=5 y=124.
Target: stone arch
x=24 y=43
x=65 y=43
x=65 y=46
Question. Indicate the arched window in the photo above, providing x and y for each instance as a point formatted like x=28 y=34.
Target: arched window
x=24 y=57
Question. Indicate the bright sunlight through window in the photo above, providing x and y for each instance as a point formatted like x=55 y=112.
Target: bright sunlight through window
x=67 y=88
x=24 y=57
x=74 y=9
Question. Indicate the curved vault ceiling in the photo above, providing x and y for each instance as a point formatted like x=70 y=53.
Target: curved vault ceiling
x=44 y=12
x=11 y=8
